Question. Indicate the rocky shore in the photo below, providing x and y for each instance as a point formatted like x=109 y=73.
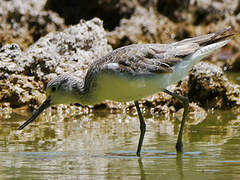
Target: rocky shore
x=41 y=39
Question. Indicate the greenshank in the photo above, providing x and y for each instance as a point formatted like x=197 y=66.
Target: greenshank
x=133 y=72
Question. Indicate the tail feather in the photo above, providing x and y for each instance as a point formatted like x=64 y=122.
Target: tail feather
x=222 y=38
x=208 y=38
x=182 y=68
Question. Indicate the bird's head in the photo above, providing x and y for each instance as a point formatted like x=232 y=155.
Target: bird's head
x=64 y=89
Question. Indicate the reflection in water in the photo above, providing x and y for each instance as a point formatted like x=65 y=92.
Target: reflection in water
x=103 y=146
x=179 y=165
x=142 y=173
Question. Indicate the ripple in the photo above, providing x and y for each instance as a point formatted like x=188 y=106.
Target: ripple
x=149 y=154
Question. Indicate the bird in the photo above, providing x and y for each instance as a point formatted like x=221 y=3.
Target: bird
x=132 y=72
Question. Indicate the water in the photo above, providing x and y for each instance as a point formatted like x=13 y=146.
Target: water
x=102 y=146
x=234 y=77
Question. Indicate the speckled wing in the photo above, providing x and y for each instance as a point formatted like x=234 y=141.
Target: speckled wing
x=157 y=58
x=148 y=58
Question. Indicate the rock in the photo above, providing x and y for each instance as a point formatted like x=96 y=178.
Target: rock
x=9 y=64
x=71 y=51
x=20 y=90
x=24 y=22
x=209 y=87
x=208 y=11
x=172 y=8
x=145 y=26
x=150 y=24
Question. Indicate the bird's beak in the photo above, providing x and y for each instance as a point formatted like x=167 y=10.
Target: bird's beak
x=44 y=105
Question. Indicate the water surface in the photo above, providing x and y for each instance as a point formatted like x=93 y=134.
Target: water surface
x=102 y=146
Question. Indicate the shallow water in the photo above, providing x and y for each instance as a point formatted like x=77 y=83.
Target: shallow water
x=234 y=77
x=102 y=146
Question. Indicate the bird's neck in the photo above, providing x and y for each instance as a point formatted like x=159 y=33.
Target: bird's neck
x=81 y=92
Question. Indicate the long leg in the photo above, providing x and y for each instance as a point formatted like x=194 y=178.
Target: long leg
x=179 y=145
x=142 y=128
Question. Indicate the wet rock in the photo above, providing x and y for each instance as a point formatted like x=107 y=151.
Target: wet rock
x=24 y=22
x=20 y=90
x=164 y=111
x=16 y=89
x=209 y=87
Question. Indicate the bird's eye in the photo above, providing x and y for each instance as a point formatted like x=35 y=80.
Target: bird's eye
x=53 y=88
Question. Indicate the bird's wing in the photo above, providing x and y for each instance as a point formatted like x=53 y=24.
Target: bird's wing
x=147 y=58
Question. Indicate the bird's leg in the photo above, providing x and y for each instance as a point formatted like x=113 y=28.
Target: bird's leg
x=179 y=145
x=142 y=128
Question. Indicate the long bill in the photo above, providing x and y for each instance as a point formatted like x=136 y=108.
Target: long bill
x=44 y=105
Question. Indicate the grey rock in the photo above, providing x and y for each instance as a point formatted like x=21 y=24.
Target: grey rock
x=71 y=50
x=24 y=22
x=9 y=64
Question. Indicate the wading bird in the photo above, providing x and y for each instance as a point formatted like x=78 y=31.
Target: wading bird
x=133 y=72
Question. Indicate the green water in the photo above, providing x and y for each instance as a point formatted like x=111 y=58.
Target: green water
x=102 y=146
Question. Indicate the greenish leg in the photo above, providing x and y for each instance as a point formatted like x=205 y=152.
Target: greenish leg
x=179 y=145
x=142 y=128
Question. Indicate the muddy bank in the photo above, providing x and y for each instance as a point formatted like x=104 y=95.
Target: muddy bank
x=38 y=43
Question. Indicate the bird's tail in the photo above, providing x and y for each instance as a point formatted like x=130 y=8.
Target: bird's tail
x=208 y=39
x=208 y=43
